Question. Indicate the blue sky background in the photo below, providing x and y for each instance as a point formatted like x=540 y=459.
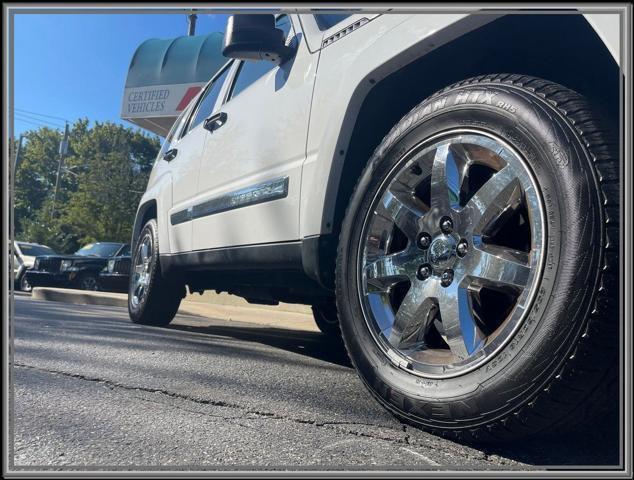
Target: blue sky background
x=75 y=65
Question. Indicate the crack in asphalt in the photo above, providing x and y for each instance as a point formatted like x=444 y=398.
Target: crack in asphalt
x=262 y=415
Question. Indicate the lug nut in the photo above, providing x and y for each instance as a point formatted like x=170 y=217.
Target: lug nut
x=424 y=271
x=446 y=278
x=446 y=225
x=424 y=241
x=462 y=248
x=415 y=169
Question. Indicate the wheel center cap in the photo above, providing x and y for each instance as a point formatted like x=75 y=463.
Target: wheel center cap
x=442 y=250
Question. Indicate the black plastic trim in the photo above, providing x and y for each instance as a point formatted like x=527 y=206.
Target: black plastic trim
x=268 y=256
x=244 y=197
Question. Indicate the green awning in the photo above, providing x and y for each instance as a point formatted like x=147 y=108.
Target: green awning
x=176 y=60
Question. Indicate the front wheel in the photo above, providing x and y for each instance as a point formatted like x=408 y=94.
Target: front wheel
x=25 y=286
x=152 y=298
x=88 y=281
x=477 y=273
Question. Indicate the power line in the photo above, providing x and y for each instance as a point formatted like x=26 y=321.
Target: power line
x=33 y=123
x=40 y=114
x=38 y=124
x=31 y=117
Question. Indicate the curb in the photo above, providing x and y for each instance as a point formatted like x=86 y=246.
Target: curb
x=79 y=297
x=268 y=315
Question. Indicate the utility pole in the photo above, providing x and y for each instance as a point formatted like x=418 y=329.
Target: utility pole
x=12 y=201
x=17 y=154
x=16 y=161
x=63 y=149
x=191 y=24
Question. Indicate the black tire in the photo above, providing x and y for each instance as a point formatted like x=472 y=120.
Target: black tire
x=326 y=318
x=159 y=304
x=88 y=281
x=25 y=286
x=561 y=367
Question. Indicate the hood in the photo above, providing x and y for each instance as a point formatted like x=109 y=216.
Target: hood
x=28 y=260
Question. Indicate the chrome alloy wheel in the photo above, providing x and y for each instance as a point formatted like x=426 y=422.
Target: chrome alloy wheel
x=452 y=253
x=142 y=270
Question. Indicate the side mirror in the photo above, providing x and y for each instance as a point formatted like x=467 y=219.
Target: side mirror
x=254 y=37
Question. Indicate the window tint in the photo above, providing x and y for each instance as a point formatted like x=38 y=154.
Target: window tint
x=327 y=20
x=35 y=250
x=173 y=133
x=251 y=70
x=125 y=250
x=167 y=143
x=208 y=101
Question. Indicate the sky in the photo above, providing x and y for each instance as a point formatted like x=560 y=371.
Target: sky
x=73 y=66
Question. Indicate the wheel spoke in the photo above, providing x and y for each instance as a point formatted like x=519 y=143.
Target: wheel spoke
x=450 y=294
x=413 y=315
x=144 y=252
x=445 y=180
x=460 y=329
x=404 y=209
x=388 y=270
x=139 y=268
x=498 y=266
x=498 y=197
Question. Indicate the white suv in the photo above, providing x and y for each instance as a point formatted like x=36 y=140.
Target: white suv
x=441 y=187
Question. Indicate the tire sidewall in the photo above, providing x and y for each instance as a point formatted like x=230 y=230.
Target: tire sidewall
x=83 y=278
x=24 y=284
x=151 y=229
x=326 y=319
x=559 y=163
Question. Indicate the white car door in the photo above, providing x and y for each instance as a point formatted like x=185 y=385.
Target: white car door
x=186 y=153
x=250 y=174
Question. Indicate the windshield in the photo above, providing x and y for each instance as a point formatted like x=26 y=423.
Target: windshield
x=35 y=250
x=98 y=249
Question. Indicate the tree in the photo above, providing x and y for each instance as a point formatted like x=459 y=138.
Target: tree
x=106 y=171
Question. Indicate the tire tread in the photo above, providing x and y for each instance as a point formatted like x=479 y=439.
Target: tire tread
x=585 y=374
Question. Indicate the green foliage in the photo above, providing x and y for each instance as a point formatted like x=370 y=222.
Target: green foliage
x=105 y=173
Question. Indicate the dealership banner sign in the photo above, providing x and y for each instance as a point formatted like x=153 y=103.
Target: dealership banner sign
x=158 y=100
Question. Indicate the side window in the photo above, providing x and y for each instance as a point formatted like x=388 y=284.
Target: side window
x=167 y=143
x=251 y=70
x=208 y=101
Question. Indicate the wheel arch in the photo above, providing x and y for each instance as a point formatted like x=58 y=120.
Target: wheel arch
x=560 y=47
x=145 y=212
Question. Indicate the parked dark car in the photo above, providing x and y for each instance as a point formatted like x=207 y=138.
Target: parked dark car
x=115 y=275
x=24 y=254
x=80 y=270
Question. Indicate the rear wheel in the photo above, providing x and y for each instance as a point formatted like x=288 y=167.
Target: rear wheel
x=152 y=298
x=326 y=318
x=477 y=275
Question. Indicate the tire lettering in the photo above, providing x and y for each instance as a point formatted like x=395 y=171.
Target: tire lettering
x=561 y=157
x=507 y=106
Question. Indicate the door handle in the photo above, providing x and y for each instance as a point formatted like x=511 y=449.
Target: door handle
x=170 y=155
x=215 y=121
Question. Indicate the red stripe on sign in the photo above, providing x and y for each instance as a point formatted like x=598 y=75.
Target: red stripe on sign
x=189 y=94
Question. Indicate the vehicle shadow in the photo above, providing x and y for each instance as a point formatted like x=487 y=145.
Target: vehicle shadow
x=312 y=344
x=599 y=446
x=73 y=326
x=596 y=446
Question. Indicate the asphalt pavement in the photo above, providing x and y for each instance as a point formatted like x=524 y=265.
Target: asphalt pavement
x=91 y=390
